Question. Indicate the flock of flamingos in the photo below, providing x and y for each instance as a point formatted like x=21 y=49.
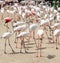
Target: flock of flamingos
x=32 y=21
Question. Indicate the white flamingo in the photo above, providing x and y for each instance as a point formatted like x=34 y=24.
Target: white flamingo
x=23 y=35
x=32 y=29
x=2 y=10
x=58 y=17
x=44 y=24
x=18 y=23
x=40 y=34
x=54 y=27
x=6 y=36
x=57 y=34
x=18 y=29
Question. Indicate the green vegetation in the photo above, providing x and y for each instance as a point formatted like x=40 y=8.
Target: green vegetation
x=56 y=3
x=19 y=0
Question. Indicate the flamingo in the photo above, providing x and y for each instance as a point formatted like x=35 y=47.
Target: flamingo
x=2 y=10
x=44 y=23
x=58 y=17
x=11 y=12
x=51 y=19
x=32 y=29
x=54 y=27
x=6 y=36
x=1 y=3
x=40 y=34
x=57 y=34
x=23 y=35
x=19 y=29
x=18 y=23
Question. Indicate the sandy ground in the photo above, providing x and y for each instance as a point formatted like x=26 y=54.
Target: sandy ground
x=49 y=52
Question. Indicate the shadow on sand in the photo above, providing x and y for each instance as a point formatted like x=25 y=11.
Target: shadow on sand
x=51 y=56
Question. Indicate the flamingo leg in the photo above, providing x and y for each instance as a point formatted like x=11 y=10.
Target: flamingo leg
x=5 y=46
x=10 y=45
x=50 y=32
x=34 y=36
x=52 y=37
x=40 y=48
x=47 y=36
x=46 y=31
x=31 y=35
x=37 y=46
x=16 y=40
x=15 y=37
x=37 y=52
x=28 y=39
x=21 y=48
x=59 y=40
x=17 y=43
x=56 y=42
x=23 y=44
x=36 y=43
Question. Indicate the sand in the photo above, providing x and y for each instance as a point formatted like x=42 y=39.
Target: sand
x=49 y=52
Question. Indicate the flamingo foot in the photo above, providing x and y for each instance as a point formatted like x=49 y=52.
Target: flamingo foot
x=20 y=51
x=27 y=48
x=41 y=56
x=5 y=53
x=37 y=56
x=58 y=43
x=16 y=46
x=26 y=52
x=15 y=42
x=56 y=47
x=13 y=51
